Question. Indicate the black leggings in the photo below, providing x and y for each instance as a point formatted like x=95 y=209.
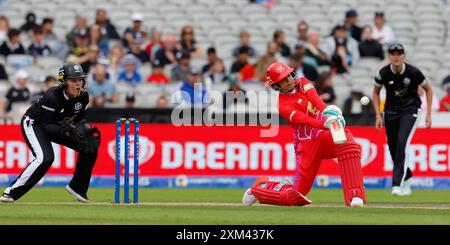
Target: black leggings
x=400 y=127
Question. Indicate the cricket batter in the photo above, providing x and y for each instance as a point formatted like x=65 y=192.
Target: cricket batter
x=310 y=119
x=58 y=116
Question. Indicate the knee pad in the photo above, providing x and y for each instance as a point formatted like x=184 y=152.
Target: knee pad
x=286 y=197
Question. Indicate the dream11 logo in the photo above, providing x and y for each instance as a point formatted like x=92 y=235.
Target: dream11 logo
x=207 y=109
x=146 y=150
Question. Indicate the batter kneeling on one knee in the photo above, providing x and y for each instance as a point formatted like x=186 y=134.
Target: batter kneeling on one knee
x=311 y=120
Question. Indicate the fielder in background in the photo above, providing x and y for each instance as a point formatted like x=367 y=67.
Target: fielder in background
x=58 y=116
x=402 y=112
x=310 y=119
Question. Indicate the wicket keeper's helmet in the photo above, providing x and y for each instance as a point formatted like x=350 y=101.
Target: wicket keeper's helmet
x=70 y=70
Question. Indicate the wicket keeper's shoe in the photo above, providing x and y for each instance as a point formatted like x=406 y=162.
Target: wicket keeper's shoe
x=397 y=191
x=357 y=202
x=6 y=198
x=82 y=197
x=406 y=187
x=248 y=198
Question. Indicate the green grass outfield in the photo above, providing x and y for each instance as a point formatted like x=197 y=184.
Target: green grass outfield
x=222 y=206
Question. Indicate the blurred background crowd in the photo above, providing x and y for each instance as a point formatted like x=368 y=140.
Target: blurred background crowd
x=138 y=54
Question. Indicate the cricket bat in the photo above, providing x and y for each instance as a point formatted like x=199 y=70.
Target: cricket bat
x=337 y=133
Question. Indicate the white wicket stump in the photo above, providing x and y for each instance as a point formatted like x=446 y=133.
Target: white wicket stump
x=338 y=133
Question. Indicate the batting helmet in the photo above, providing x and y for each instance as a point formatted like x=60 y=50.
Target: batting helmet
x=277 y=71
x=70 y=70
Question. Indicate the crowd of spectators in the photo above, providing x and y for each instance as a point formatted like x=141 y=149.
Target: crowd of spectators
x=111 y=58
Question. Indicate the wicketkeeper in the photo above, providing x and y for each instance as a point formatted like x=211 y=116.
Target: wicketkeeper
x=58 y=116
x=310 y=119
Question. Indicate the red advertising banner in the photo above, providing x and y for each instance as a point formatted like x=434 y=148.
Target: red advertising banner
x=166 y=150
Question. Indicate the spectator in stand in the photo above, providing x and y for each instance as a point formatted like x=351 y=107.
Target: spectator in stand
x=80 y=24
x=169 y=53
x=181 y=70
x=279 y=39
x=4 y=28
x=130 y=100
x=244 y=41
x=155 y=44
x=96 y=38
x=83 y=54
x=3 y=73
x=115 y=56
x=107 y=29
x=351 y=18
x=381 y=31
x=136 y=50
x=30 y=24
x=135 y=32
x=302 y=32
x=267 y=3
x=340 y=37
x=188 y=42
x=130 y=73
x=241 y=68
x=444 y=104
x=266 y=60
x=324 y=88
x=340 y=62
x=212 y=57
x=216 y=74
x=369 y=47
x=39 y=47
x=17 y=93
x=12 y=45
x=100 y=88
x=162 y=102
x=352 y=104
x=158 y=75
x=313 y=54
x=301 y=69
x=234 y=95
x=192 y=92
x=47 y=29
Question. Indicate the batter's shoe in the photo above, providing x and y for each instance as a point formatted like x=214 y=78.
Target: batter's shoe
x=248 y=199
x=357 y=203
x=6 y=198
x=80 y=197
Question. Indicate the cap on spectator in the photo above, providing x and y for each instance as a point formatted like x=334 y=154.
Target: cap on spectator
x=129 y=59
x=137 y=17
x=194 y=71
x=129 y=97
x=300 y=45
x=21 y=74
x=446 y=82
x=379 y=14
x=103 y=61
x=340 y=27
x=31 y=17
x=157 y=64
x=396 y=47
x=351 y=13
